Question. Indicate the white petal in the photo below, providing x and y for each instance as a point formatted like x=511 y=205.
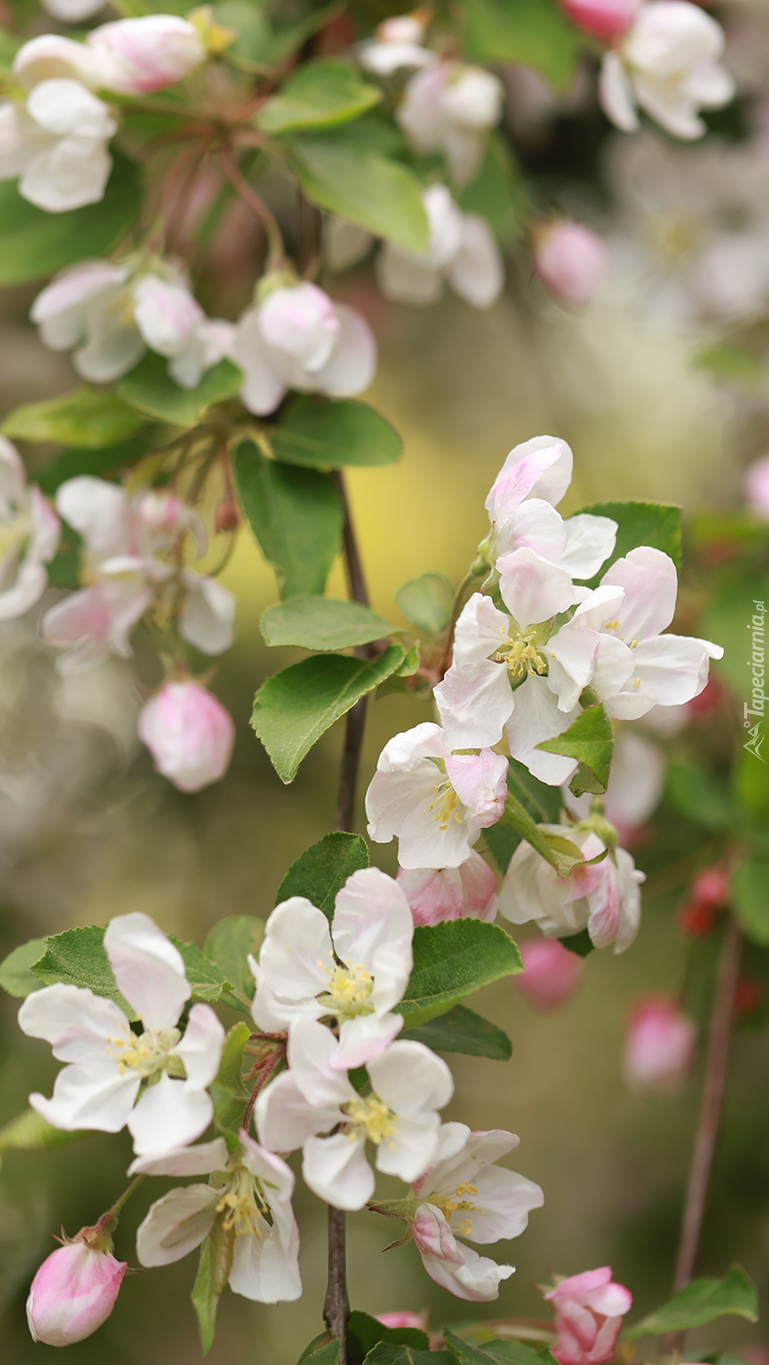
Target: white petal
x=399 y=804
x=480 y=630
x=170 y=1114
x=672 y=668
x=148 y=969
x=265 y=1271
x=285 y=1119
x=614 y=664
x=539 y=468
x=263 y=387
x=570 y=654
x=474 y=703
x=165 y=313
x=71 y=173
x=532 y=589
x=411 y=1079
x=589 y=541
x=113 y=348
x=176 y=1224
x=410 y=1150
x=477 y=274
x=615 y=93
x=28 y=587
x=363 y=1038
x=536 y=718
x=476 y=1281
x=200 y=1160
x=311 y=1051
x=201 y=1047
x=352 y=364
x=650 y=583
x=66 y=108
x=89 y=1097
x=296 y=962
x=336 y=1169
x=207 y=618
x=99 y=512
x=404 y=278
x=373 y=926
x=503 y=1202
x=76 y=1022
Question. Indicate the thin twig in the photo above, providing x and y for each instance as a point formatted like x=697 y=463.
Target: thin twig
x=266 y=1071
x=708 y=1124
x=258 y=207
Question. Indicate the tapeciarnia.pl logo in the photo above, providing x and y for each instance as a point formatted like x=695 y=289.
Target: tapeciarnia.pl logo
x=756 y=663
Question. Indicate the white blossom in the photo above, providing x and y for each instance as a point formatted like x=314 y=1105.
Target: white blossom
x=55 y=142
x=155 y=1081
x=397 y=43
x=354 y=972
x=249 y=1195
x=461 y=249
x=450 y=107
x=29 y=536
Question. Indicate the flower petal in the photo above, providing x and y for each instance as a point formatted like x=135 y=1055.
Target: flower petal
x=77 y=1023
x=336 y=1169
x=176 y=1224
x=200 y=1160
x=170 y=1114
x=201 y=1047
x=148 y=969
x=89 y=1097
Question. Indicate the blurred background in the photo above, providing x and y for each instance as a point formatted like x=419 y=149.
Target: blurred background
x=660 y=388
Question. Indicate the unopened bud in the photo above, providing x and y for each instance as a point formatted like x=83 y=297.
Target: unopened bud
x=571 y=261
x=73 y=1293
x=189 y=734
x=147 y=54
x=226 y=516
x=550 y=972
x=711 y=887
x=659 y=1046
x=604 y=19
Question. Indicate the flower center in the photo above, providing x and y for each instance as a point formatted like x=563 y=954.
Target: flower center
x=521 y=655
x=349 y=991
x=241 y=1207
x=371 y=1117
x=452 y=1201
x=148 y=1054
x=446 y=805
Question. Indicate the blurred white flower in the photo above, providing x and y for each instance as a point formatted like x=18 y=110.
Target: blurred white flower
x=29 y=536
x=55 y=143
x=461 y=249
x=450 y=108
x=397 y=43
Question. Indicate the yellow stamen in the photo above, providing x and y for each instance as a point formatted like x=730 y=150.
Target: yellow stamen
x=371 y=1117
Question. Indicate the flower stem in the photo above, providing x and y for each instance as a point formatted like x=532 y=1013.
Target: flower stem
x=265 y=1072
x=719 y=1035
x=276 y=251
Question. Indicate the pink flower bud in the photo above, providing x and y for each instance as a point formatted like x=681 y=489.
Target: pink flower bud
x=404 y=1319
x=711 y=887
x=588 y=1315
x=550 y=972
x=147 y=54
x=189 y=734
x=468 y=891
x=73 y=1293
x=757 y=487
x=604 y=19
x=659 y=1046
x=571 y=261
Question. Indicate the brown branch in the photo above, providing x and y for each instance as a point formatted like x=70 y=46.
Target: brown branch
x=276 y=253
x=708 y=1124
x=266 y=1070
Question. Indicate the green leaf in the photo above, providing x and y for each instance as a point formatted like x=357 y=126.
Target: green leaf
x=15 y=975
x=150 y=388
x=295 y=515
x=327 y=1354
x=228 y=945
x=641 y=523
x=213 y=1273
x=496 y=1352
x=451 y=960
x=590 y=740
x=701 y=1302
x=261 y=41
x=346 y=173
x=698 y=796
x=502 y=842
x=319 y=94
x=333 y=433
x=294 y=708
x=556 y=849
x=532 y=32
x=496 y=193
x=580 y=943
x=390 y=1353
x=28 y=1132
x=98 y=462
x=427 y=602
x=750 y=891
x=35 y=243
x=83 y=417
x=364 y=1332
x=77 y=958
x=460 y=1030
x=322 y=870
x=322 y=624
x=230 y=1072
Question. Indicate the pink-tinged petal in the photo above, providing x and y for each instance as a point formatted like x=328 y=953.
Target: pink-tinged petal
x=576 y=1286
x=200 y=1160
x=480 y=630
x=371 y=914
x=165 y=313
x=480 y=781
x=659 y=1049
x=650 y=584
x=148 y=969
x=99 y=512
x=302 y=321
x=433 y=1235
x=571 y=261
x=352 y=364
x=336 y=1169
x=536 y=718
x=201 y=1047
x=636 y=782
x=474 y=703
x=589 y=541
x=532 y=589
x=503 y=1204
x=61 y=310
x=169 y=1114
x=476 y=273
x=539 y=468
x=673 y=668
x=602 y=19
x=207 y=618
x=73 y=1293
x=89 y=1097
x=176 y=1225
x=616 y=94
x=148 y=53
x=263 y=387
x=571 y=654
x=451 y=893
x=535 y=525
x=189 y=734
x=78 y=1024
x=477 y=1280
x=550 y=972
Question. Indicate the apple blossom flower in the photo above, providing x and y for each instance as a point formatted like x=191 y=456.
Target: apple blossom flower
x=437 y=894
x=667 y=63
x=124 y=540
x=757 y=488
x=29 y=536
x=433 y=801
x=399 y=1116
x=103 y=1085
x=296 y=337
x=72 y=11
x=550 y=972
x=602 y=897
x=588 y=1315
x=571 y=261
x=464 y=1194
x=659 y=1046
x=461 y=249
x=449 y=108
x=189 y=734
x=147 y=54
x=110 y=313
x=54 y=141
x=51 y=56
x=73 y=1293
x=397 y=43
x=248 y=1195
x=603 y=19
x=356 y=971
